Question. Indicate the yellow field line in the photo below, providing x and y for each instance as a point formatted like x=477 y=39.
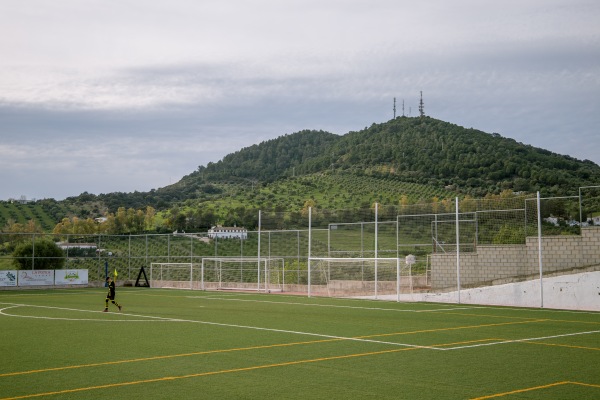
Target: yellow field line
x=565 y=345
x=575 y=322
x=198 y=353
x=515 y=317
x=253 y=348
x=585 y=384
x=467 y=342
x=535 y=388
x=484 y=315
x=200 y=374
x=450 y=329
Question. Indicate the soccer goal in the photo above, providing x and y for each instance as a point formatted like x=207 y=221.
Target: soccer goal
x=174 y=275
x=354 y=277
x=242 y=273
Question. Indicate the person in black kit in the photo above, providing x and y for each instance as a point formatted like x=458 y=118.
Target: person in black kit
x=111 y=294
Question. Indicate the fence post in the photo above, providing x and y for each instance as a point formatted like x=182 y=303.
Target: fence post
x=457 y=252
x=33 y=252
x=129 y=258
x=309 y=244
x=376 y=253
x=398 y=279
x=258 y=248
x=539 y=218
x=580 y=211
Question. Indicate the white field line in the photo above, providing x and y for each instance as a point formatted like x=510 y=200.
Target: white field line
x=519 y=340
x=11 y=305
x=162 y=319
x=3 y=312
x=329 y=305
x=441 y=306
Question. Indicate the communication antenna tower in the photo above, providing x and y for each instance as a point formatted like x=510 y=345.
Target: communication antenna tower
x=394 y=108
x=421 y=106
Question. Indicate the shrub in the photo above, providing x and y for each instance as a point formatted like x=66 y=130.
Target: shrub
x=41 y=254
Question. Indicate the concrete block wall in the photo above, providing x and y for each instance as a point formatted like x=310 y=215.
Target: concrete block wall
x=590 y=245
x=495 y=263
x=558 y=252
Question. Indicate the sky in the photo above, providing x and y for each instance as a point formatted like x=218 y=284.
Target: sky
x=104 y=96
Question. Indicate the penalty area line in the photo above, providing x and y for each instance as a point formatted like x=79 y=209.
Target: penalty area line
x=156 y=318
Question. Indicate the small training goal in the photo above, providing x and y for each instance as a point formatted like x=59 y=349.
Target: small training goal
x=220 y=273
x=174 y=275
x=354 y=277
x=242 y=273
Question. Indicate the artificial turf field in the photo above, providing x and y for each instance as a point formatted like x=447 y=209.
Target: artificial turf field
x=176 y=344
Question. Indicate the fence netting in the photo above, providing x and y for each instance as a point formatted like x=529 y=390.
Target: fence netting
x=441 y=251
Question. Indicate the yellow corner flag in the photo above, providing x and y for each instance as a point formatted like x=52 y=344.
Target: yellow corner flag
x=115 y=274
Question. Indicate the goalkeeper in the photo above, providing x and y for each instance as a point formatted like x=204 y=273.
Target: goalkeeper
x=111 y=294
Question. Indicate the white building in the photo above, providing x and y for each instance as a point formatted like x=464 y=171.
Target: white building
x=225 y=232
x=67 y=246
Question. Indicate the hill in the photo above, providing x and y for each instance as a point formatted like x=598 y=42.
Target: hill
x=418 y=150
x=404 y=159
x=46 y=213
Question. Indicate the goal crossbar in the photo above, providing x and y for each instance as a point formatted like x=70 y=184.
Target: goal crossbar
x=172 y=275
x=242 y=273
x=356 y=276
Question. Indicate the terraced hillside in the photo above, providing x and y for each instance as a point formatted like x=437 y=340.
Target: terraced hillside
x=46 y=215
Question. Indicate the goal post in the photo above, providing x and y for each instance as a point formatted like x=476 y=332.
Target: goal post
x=242 y=273
x=355 y=277
x=173 y=275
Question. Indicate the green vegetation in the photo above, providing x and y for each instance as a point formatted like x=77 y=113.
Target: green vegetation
x=47 y=255
x=425 y=151
x=399 y=162
x=186 y=344
x=23 y=213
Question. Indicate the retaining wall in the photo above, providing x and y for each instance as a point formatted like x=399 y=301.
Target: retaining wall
x=501 y=264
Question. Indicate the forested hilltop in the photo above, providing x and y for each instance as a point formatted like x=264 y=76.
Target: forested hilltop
x=419 y=150
x=404 y=160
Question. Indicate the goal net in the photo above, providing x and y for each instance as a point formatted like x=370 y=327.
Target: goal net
x=174 y=275
x=242 y=273
x=355 y=277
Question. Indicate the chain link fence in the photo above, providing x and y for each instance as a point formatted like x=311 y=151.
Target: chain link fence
x=440 y=248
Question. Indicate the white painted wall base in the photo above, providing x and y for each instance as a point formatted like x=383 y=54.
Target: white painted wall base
x=567 y=292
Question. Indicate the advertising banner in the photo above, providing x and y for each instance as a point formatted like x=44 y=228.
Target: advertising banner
x=8 y=278
x=71 y=277
x=36 y=277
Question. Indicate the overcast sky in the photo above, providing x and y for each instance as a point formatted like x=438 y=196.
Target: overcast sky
x=105 y=96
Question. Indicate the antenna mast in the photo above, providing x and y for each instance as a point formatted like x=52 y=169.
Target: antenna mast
x=394 y=108
x=421 y=106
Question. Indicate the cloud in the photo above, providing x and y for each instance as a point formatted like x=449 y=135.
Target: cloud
x=134 y=95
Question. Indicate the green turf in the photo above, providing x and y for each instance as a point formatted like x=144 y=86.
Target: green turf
x=168 y=344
